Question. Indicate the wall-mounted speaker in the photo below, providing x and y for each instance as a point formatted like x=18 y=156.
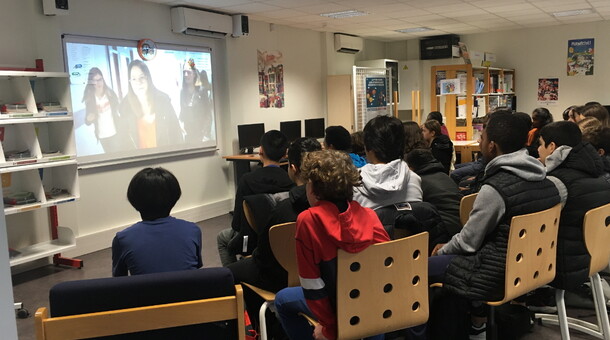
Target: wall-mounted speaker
x=55 y=7
x=240 y=25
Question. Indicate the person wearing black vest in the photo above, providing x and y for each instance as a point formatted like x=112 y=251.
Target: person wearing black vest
x=513 y=184
x=581 y=170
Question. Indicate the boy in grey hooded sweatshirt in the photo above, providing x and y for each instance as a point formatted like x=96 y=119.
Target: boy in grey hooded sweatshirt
x=387 y=179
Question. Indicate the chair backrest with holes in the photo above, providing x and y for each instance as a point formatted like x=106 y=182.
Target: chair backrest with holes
x=382 y=288
x=596 y=229
x=283 y=245
x=466 y=207
x=531 y=253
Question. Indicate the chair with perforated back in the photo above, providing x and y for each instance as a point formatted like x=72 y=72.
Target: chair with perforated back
x=530 y=257
x=249 y=216
x=596 y=231
x=466 y=207
x=397 y=297
x=152 y=306
x=283 y=246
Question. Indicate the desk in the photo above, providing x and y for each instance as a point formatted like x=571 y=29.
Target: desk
x=241 y=164
x=466 y=148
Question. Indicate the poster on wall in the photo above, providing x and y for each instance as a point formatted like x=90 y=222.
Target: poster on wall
x=580 y=57
x=548 y=91
x=270 y=79
x=376 y=92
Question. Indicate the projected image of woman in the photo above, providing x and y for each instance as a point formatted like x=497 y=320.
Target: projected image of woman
x=151 y=119
x=195 y=105
x=102 y=110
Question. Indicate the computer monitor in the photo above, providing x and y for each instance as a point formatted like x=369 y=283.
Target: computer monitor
x=314 y=128
x=249 y=136
x=291 y=129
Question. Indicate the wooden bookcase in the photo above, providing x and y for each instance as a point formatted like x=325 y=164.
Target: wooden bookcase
x=38 y=163
x=483 y=90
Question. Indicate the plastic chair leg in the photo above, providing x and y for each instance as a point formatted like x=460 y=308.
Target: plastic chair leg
x=492 y=329
x=561 y=314
x=600 y=306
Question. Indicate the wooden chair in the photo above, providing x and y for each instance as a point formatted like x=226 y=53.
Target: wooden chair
x=123 y=321
x=530 y=257
x=466 y=207
x=596 y=230
x=249 y=216
x=283 y=246
x=396 y=298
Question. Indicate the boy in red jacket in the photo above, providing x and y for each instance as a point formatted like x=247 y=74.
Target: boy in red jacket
x=333 y=222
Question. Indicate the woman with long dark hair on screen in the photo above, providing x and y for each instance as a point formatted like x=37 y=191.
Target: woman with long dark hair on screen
x=195 y=105
x=102 y=110
x=150 y=116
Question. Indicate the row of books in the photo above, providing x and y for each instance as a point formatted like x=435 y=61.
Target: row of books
x=17 y=110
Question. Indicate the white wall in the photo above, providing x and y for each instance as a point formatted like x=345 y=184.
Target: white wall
x=304 y=81
x=533 y=53
x=103 y=208
x=542 y=52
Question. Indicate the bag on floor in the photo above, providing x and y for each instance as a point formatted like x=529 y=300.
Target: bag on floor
x=514 y=321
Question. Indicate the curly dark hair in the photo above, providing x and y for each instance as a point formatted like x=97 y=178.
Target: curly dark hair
x=331 y=173
x=414 y=139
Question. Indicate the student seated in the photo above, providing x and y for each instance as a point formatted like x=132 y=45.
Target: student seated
x=438 y=189
x=159 y=243
x=334 y=221
x=387 y=179
x=581 y=171
x=441 y=145
x=540 y=117
x=472 y=263
x=435 y=115
x=269 y=179
x=262 y=269
x=338 y=138
x=599 y=136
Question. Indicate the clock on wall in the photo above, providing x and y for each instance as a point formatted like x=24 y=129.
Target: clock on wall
x=147 y=49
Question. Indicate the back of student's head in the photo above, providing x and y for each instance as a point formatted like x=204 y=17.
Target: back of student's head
x=338 y=137
x=567 y=112
x=436 y=116
x=418 y=158
x=589 y=126
x=358 y=143
x=433 y=126
x=299 y=147
x=542 y=116
x=525 y=117
x=153 y=192
x=507 y=131
x=274 y=144
x=597 y=111
x=604 y=141
x=414 y=138
x=332 y=174
x=561 y=133
x=497 y=112
x=385 y=137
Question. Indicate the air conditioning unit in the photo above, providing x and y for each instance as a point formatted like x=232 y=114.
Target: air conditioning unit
x=201 y=23
x=348 y=43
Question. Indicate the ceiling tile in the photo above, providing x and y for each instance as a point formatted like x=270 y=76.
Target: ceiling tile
x=293 y=3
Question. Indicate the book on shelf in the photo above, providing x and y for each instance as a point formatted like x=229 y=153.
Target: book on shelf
x=440 y=76
x=461 y=101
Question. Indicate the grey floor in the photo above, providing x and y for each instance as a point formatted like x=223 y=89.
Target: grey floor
x=32 y=287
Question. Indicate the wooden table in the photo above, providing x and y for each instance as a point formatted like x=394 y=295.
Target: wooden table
x=466 y=148
x=241 y=164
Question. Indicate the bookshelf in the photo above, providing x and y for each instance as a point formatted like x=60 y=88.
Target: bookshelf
x=38 y=164
x=481 y=90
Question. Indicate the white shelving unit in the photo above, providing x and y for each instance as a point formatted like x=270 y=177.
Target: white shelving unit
x=38 y=164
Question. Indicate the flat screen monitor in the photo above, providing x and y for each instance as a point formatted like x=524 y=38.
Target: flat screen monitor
x=291 y=129
x=314 y=128
x=249 y=136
